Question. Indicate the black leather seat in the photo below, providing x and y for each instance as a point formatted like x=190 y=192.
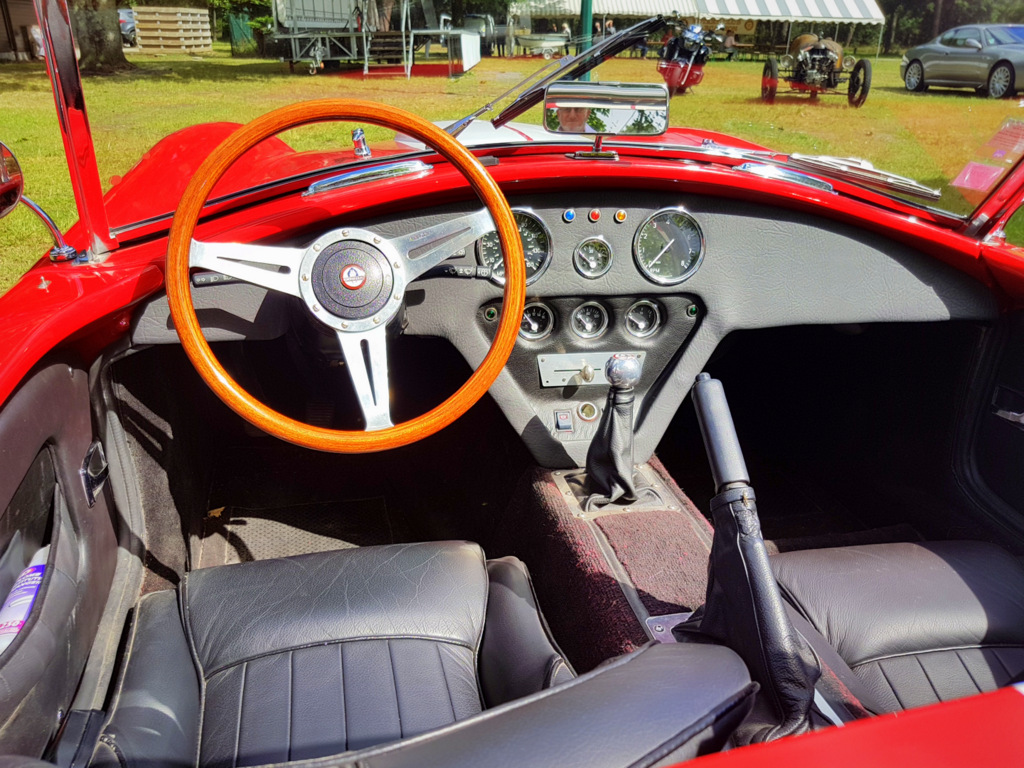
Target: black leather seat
x=382 y=655
x=905 y=625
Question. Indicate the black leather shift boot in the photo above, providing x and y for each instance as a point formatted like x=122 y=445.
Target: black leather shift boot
x=610 y=458
x=745 y=611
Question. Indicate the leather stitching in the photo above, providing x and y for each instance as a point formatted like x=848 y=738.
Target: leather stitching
x=394 y=686
x=967 y=670
x=986 y=646
x=448 y=688
x=891 y=686
x=186 y=621
x=928 y=678
x=319 y=644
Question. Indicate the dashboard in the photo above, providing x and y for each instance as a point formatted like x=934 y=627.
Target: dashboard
x=663 y=276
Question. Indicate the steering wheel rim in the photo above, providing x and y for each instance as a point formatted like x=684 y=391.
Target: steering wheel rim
x=198 y=350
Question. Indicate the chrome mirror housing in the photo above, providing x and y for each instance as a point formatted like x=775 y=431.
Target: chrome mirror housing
x=606 y=109
x=12 y=182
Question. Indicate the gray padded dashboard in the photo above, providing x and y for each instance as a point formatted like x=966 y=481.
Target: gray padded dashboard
x=763 y=267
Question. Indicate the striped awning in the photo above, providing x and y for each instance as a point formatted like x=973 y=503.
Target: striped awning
x=837 y=11
x=620 y=9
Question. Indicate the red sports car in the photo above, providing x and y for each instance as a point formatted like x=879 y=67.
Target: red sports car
x=264 y=412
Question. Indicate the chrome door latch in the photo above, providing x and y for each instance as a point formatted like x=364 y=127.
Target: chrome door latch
x=94 y=472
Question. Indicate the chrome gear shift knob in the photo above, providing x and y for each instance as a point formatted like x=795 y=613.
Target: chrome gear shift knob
x=623 y=371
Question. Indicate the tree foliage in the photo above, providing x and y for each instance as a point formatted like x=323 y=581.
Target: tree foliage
x=912 y=22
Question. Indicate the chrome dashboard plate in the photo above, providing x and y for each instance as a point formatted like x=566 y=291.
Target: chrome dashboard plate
x=562 y=370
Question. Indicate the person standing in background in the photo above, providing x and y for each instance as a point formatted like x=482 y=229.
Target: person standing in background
x=568 y=35
x=609 y=28
x=730 y=44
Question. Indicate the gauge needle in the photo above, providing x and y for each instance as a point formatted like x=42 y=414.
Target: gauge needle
x=534 y=325
x=663 y=251
x=639 y=322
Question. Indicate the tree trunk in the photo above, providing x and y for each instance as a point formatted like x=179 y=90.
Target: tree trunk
x=892 y=31
x=98 y=35
x=937 y=21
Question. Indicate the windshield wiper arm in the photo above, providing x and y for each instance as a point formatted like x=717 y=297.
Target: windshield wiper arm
x=463 y=122
x=862 y=172
x=579 y=66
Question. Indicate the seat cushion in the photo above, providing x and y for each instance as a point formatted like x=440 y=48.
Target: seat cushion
x=300 y=657
x=917 y=623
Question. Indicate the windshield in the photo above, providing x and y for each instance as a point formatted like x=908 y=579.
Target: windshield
x=1007 y=35
x=956 y=141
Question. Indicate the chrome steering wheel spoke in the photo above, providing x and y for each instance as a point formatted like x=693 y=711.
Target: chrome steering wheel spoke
x=267 y=266
x=366 y=357
x=428 y=247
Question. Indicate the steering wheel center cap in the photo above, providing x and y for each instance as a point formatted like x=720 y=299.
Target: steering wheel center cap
x=352 y=280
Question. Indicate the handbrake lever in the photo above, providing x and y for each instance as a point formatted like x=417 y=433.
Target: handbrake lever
x=744 y=608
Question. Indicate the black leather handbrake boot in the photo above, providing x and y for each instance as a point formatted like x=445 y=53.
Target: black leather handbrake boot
x=744 y=608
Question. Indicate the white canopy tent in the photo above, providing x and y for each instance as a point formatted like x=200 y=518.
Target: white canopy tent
x=620 y=9
x=836 y=12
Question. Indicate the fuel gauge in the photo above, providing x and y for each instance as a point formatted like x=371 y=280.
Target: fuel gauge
x=643 y=319
x=538 y=321
x=589 y=320
x=593 y=257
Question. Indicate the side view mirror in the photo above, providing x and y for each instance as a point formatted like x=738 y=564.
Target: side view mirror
x=970 y=42
x=606 y=109
x=12 y=182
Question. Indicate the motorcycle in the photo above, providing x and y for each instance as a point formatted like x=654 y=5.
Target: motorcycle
x=682 y=59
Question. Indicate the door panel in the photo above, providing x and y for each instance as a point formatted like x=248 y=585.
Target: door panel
x=45 y=434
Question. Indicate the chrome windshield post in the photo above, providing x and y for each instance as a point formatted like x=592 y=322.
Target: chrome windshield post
x=55 y=23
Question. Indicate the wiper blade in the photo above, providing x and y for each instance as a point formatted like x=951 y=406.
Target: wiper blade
x=462 y=123
x=580 y=65
x=862 y=172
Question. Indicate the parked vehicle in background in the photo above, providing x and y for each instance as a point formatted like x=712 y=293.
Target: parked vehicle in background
x=986 y=57
x=126 y=18
x=817 y=65
x=683 y=58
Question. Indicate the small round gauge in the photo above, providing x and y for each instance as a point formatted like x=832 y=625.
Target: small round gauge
x=668 y=246
x=538 y=321
x=643 y=319
x=593 y=257
x=536 y=248
x=589 y=320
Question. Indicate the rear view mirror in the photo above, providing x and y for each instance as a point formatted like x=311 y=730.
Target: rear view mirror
x=12 y=183
x=606 y=109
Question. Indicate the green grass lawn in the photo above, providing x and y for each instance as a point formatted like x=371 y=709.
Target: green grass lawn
x=925 y=136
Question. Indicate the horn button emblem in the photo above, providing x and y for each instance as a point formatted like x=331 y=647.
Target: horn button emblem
x=352 y=279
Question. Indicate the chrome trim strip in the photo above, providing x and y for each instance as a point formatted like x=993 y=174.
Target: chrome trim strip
x=62 y=66
x=366 y=175
x=777 y=173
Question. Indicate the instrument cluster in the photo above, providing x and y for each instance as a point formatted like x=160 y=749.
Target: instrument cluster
x=667 y=247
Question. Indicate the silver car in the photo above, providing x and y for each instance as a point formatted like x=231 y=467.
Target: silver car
x=986 y=57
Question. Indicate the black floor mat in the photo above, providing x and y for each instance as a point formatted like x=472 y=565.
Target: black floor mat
x=241 y=534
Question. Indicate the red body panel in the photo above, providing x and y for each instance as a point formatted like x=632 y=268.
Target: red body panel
x=981 y=730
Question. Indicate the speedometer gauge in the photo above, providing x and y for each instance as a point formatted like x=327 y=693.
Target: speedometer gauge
x=668 y=246
x=536 y=248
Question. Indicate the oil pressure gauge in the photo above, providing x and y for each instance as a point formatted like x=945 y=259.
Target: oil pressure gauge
x=589 y=320
x=643 y=319
x=593 y=257
x=538 y=321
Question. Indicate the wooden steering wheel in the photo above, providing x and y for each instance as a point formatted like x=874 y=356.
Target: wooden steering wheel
x=350 y=279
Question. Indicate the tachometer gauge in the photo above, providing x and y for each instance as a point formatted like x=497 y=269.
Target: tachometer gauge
x=538 y=321
x=536 y=248
x=643 y=319
x=589 y=320
x=668 y=246
x=593 y=257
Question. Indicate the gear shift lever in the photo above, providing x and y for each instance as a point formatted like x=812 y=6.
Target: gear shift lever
x=610 y=458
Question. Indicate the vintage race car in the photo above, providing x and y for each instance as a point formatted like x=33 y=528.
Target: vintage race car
x=817 y=65
x=265 y=411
